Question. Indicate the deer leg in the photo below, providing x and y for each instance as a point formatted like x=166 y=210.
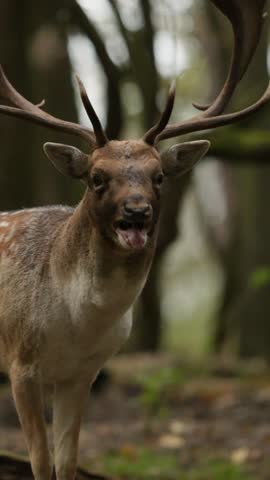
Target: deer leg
x=27 y=393
x=69 y=402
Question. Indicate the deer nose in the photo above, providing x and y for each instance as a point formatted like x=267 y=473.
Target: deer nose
x=137 y=212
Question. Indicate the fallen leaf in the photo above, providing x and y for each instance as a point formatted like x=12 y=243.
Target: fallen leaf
x=171 y=441
x=240 y=455
x=177 y=427
x=128 y=451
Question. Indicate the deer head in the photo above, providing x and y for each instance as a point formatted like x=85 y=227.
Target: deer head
x=124 y=178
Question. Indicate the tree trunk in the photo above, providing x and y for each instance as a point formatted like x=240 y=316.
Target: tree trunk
x=149 y=321
x=244 y=313
x=36 y=61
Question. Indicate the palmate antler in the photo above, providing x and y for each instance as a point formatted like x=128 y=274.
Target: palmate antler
x=246 y=17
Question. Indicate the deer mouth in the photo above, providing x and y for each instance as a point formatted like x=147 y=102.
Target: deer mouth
x=131 y=235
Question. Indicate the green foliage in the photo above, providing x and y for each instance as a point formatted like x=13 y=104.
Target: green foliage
x=216 y=470
x=191 y=336
x=250 y=143
x=142 y=464
x=146 y=464
x=157 y=387
x=260 y=277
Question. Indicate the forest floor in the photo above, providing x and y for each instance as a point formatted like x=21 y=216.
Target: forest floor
x=160 y=419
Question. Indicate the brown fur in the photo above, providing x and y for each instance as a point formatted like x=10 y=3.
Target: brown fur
x=40 y=252
x=68 y=281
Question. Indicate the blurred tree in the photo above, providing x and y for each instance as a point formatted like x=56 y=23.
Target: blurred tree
x=149 y=336
x=143 y=70
x=81 y=23
x=33 y=51
x=15 y=171
x=245 y=309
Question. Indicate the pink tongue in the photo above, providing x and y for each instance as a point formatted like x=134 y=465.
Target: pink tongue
x=135 y=238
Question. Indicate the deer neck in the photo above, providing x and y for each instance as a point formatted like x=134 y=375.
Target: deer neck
x=84 y=254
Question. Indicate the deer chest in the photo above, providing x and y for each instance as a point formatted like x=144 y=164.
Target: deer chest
x=90 y=321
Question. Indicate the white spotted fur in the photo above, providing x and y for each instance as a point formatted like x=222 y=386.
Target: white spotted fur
x=57 y=329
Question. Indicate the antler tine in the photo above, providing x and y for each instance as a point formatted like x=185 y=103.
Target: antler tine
x=101 y=137
x=246 y=17
x=152 y=134
x=22 y=108
x=199 y=123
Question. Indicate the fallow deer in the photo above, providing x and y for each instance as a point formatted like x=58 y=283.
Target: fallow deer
x=69 y=277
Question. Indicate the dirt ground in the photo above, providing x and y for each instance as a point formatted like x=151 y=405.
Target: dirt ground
x=188 y=418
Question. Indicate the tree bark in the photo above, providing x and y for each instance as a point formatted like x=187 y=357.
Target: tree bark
x=149 y=319
x=33 y=51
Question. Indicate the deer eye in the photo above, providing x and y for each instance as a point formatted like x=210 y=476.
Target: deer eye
x=98 y=181
x=159 y=179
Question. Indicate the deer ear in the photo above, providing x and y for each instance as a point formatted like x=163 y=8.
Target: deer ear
x=67 y=159
x=180 y=158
